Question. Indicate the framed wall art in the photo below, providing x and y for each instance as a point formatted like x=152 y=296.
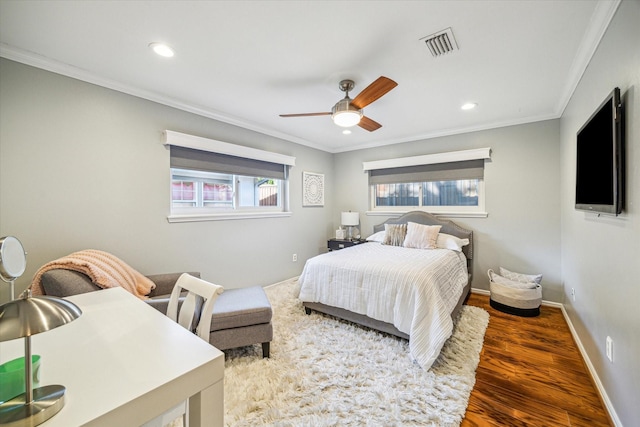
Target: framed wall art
x=312 y=189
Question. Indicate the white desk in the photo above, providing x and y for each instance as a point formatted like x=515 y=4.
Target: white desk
x=124 y=363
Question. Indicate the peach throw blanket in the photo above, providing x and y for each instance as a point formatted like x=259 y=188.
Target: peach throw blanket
x=104 y=269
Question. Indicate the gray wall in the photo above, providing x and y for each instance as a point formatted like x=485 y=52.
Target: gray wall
x=82 y=167
x=600 y=255
x=522 y=231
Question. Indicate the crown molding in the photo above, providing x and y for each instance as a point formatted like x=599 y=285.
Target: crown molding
x=600 y=20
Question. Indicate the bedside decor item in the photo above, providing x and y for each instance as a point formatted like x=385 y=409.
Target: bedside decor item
x=350 y=220
x=22 y=318
x=312 y=189
x=341 y=233
x=13 y=260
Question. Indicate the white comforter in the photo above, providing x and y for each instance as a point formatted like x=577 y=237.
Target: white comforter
x=414 y=289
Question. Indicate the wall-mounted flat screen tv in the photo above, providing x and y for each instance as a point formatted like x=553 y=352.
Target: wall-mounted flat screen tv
x=600 y=159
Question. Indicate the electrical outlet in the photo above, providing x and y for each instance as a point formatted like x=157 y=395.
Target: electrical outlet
x=294 y=258
x=573 y=294
x=610 y=349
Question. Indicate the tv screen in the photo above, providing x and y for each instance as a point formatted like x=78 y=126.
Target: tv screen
x=599 y=159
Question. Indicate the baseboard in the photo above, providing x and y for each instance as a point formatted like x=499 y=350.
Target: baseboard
x=592 y=371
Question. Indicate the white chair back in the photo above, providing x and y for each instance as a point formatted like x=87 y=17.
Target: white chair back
x=197 y=308
x=195 y=315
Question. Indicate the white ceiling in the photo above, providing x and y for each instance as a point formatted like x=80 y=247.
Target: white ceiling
x=246 y=62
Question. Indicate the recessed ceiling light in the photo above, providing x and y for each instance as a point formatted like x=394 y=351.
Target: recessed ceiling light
x=469 y=106
x=346 y=132
x=162 y=49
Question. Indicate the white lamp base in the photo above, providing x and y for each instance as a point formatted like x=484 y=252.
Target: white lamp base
x=47 y=401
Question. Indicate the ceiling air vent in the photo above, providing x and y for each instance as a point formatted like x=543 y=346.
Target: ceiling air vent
x=441 y=42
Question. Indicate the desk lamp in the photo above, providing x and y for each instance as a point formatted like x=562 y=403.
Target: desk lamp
x=21 y=318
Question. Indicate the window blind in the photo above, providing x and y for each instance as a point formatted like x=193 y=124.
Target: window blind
x=192 y=159
x=470 y=169
x=204 y=154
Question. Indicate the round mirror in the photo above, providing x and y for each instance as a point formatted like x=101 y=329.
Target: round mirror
x=13 y=260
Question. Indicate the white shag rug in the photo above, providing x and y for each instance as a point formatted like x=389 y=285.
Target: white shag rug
x=326 y=372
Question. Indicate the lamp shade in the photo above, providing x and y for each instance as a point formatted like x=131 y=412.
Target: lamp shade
x=24 y=317
x=350 y=218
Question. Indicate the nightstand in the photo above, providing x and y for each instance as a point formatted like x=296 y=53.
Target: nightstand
x=336 y=244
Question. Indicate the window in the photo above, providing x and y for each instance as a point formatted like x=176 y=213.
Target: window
x=200 y=189
x=462 y=192
x=450 y=184
x=225 y=181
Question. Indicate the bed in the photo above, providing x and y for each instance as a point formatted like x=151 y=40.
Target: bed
x=411 y=293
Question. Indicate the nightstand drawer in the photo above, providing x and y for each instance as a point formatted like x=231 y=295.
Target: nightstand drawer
x=336 y=244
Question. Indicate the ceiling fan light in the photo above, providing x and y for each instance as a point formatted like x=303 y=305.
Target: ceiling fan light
x=345 y=115
x=346 y=119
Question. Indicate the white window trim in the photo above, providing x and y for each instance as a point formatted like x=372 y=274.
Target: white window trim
x=211 y=145
x=429 y=159
x=226 y=216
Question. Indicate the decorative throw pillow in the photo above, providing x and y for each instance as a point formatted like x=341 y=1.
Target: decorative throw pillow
x=421 y=236
x=394 y=234
x=377 y=237
x=519 y=277
x=496 y=278
x=447 y=241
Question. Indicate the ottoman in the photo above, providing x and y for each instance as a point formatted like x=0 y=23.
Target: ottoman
x=242 y=317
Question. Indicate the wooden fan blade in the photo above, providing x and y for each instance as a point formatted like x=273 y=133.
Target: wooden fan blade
x=367 y=124
x=305 y=114
x=374 y=91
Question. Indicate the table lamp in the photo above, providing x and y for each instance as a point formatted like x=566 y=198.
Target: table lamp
x=350 y=219
x=22 y=318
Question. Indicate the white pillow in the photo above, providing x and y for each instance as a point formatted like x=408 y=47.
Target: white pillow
x=496 y=278
x=421 y=236
x=519 y=277
x=376 y=237
x=447 y=241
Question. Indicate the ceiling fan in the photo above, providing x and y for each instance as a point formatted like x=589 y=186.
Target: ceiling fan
x=348 y=112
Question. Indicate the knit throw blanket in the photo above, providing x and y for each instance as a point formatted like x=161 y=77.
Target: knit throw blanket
x=103 y=268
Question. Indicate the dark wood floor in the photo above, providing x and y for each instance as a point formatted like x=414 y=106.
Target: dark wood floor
x=531 y=373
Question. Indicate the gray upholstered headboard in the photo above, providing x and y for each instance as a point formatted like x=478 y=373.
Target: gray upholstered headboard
x=448 y=227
